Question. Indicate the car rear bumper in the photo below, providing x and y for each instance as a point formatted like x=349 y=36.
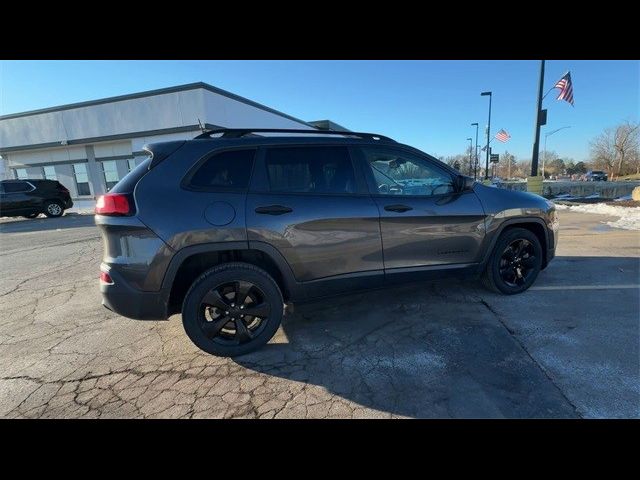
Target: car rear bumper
x=121 y=298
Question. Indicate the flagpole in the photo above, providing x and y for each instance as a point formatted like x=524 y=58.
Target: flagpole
x=536 y=142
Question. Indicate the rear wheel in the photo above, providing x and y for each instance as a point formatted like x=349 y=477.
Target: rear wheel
x=515 y=262
x=53 y=208
x=232 y=309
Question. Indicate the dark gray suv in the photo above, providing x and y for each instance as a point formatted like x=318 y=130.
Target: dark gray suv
x=234 y=225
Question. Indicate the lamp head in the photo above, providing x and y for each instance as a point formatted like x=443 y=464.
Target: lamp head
x=483 y=94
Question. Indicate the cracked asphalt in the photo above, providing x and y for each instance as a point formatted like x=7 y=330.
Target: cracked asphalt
x=567 y=348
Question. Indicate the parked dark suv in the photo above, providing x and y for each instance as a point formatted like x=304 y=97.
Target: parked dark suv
x=595 y=176
x=31 y=197
x=229 y=230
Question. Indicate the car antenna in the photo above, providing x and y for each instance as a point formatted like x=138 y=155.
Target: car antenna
x=201 y=126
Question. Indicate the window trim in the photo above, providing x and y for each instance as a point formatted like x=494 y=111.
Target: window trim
x=371 y=183
x=33 y=187
x=263 y=187
x=185 y=184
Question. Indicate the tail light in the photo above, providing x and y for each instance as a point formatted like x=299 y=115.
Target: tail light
x=113 y=204
x=105 y=278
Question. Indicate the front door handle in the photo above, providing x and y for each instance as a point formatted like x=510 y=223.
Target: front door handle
x=273 y=210
x=398 y=208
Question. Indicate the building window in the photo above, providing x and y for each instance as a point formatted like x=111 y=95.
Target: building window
x=21 y=173
x=82 y=179
x=131 y=163
x=50 y=172
x=110 y=170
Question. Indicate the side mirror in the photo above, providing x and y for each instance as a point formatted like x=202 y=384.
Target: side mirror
x=464 y=183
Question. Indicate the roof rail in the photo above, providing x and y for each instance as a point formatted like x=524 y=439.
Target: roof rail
x=241 y=132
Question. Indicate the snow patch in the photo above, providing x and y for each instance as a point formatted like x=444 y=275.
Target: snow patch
x=629 y=217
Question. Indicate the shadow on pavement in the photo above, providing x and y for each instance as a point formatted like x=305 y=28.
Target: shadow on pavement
x=424 y=350
x=453 y=349
x=42 y=223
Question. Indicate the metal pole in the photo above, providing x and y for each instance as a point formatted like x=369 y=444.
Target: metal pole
x=486 y=170
x=544 y=158
x=470 y=153
x=536 y=142
x=475 y=165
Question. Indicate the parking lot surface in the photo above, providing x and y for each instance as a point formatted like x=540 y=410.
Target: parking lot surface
x=567 y=348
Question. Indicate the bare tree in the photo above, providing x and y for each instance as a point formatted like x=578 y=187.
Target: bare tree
x=615 y=149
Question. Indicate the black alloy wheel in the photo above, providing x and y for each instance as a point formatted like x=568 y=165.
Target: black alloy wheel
x=232 y=309
x=515 y=262
x=234 y=313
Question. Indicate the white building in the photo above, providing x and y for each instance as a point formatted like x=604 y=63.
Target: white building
x=89 y=146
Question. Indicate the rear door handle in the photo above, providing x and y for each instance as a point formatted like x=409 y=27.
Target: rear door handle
x=398 y=208
x=273 y=210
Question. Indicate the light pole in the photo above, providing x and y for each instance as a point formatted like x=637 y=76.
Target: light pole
x=544 y=158
x=539 y=120
x=486 y=168
x=470 y=150
x=475 y=163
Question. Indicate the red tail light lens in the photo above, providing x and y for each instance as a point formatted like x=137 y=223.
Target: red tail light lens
x=106 y=278
x=113 y=204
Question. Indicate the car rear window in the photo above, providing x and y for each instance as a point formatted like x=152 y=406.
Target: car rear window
x=128 y=183
x=14 y=187
x=229 y=170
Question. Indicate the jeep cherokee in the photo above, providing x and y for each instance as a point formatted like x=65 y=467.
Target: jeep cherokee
x=236 y=224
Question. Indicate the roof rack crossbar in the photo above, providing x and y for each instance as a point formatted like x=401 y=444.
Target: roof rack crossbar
x=241 y=132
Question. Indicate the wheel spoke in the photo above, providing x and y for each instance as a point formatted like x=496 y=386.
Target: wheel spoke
x=211 y=329
x=509 y=254
x=242 y=290
x=529 y=262
x=242 y=332
x=214 y=298
x=261 y=310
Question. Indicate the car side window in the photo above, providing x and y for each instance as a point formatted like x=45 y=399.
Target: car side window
x=399 y=173
x=16 y=187
x=316 y=169
x=228 y=170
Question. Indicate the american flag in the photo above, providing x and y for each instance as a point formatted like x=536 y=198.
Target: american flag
x=503 y=136
x=566 y=88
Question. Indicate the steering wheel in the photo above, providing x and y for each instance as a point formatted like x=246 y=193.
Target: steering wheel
x=383 y=188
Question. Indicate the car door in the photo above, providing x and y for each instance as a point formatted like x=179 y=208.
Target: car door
x=425 y=223
x=309 y=203
x=15 y=197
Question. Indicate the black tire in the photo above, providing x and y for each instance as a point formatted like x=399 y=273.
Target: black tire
x=198 y=315
x=31 y=215
x=519 y=275
x=53 y=208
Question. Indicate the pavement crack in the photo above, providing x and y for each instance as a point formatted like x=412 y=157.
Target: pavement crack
x=524 y=348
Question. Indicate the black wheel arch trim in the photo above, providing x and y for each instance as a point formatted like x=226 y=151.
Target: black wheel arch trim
x=493 y=238
x=294 y=288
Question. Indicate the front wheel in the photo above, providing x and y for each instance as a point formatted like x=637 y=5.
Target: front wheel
x=515 y=262
x=232 y=309
x=53 y=209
